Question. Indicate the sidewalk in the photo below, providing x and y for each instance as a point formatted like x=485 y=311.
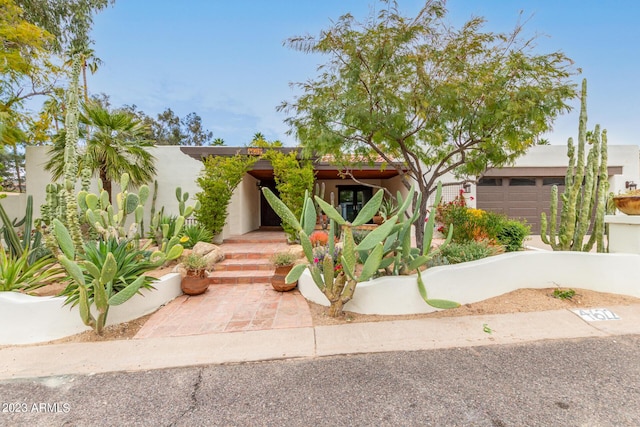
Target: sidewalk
x=308 y=342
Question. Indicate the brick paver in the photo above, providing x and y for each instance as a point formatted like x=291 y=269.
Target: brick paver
x=229 y=308
x=240 y=297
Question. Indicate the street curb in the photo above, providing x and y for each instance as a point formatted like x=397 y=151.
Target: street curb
x=276 y=344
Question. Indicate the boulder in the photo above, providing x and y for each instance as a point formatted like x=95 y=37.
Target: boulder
x=203 y=248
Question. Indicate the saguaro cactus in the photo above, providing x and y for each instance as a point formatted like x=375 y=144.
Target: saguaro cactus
x=586 y=187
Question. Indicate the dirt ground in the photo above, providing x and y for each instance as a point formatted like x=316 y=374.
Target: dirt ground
x=522 y=300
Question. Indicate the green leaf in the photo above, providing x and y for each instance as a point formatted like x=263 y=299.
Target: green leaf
x=327 y=270
x=92 y=269
x=386 y=262
x=310 y=217
x=281 y=209
x=405 y=203
x=418 y=262
x=377 y=235
x=372 y=264
x=295 y=273
x=369 y=209
x=64 y=239
x=421 y=288
x=85 y=312
x=128 y=292
x=331 y=212
x=442 y=303
x=73 y=269
x=100 y=296
x=174 y=252
x=317 y=278
x=428 y=226
x=348 y=252
x=306 y=245
x=109 y=269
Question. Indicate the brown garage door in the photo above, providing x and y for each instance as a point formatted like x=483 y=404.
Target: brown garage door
x=518 y=197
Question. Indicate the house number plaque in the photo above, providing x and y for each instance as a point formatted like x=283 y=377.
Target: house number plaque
x=596 y=314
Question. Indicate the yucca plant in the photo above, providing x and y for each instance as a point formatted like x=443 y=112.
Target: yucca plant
x=17 y=274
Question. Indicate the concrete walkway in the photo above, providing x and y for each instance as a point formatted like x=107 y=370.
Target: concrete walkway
x=308 y=342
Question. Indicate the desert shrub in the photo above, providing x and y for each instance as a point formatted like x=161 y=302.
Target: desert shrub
x=437 y=261
x=476 y=225
x=218 y=180
x=455 y=253
x=195 y=233
x=512 y=234
x=283 y=259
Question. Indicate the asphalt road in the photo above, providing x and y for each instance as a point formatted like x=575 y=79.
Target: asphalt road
x=586 y=382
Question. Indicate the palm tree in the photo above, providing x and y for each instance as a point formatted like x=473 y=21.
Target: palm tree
x=117 y=145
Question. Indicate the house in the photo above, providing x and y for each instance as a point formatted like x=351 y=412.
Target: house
x=519 y=191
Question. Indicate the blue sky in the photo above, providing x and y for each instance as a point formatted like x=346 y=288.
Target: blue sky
x=226 y=61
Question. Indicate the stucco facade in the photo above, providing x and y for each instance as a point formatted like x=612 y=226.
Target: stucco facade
x=177 y=169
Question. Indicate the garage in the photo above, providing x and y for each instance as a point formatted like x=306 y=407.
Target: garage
x=523 y=192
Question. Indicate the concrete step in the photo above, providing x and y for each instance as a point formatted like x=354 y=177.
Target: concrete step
x=252 y=250
x=242 y=264
x=256 y=240
x=240 y=277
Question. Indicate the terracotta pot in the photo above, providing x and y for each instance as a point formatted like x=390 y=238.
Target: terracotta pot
x=277 y=281
x=378 y=219
x=195 y=282
x=629 y=205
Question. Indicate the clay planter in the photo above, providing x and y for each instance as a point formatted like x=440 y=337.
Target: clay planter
x=378 y=219
x=196 y=282
x=277 y=281
x=629 y=205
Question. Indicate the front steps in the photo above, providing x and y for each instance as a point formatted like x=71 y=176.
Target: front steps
x=247 y=259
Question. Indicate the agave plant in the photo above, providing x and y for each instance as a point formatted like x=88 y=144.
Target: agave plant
x=17 y=274
x=105 y=274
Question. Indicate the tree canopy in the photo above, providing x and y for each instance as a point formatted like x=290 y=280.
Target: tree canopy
x=425 y=97
x=69 y=21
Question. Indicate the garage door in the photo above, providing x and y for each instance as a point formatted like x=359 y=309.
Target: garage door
x=518 y=197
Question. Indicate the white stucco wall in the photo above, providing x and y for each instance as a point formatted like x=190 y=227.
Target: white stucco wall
x=244 y=208
x=14 y=205
x=175 y=169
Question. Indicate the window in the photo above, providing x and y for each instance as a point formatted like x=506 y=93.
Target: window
x=519 y=182
x=490 y=182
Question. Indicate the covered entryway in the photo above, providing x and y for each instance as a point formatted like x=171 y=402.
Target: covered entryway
x=268 y=217
x=351 y=198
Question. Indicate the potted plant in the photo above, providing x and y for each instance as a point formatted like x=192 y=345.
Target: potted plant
x=196 y=280
x=283 y=262
x=628 y=202
x=387 y=209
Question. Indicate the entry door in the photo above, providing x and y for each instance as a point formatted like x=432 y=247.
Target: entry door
x=351 y=198
x=268 y=217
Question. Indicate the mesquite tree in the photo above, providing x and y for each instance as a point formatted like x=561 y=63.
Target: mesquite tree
x=426 y=98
